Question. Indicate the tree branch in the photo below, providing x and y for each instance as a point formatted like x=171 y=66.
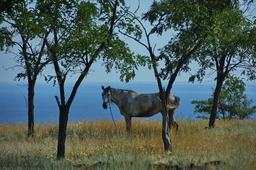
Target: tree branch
x=181 y=61
x=58 y=101
x=135 y=39
x=93 y=57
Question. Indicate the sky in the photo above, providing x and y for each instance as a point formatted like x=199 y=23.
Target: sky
x=97 y=72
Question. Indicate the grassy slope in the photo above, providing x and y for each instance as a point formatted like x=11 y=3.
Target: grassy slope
x=232 y=145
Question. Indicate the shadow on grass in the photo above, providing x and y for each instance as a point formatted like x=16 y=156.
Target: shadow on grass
x=144 y=164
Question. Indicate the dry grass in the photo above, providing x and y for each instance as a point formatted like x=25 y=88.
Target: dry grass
x=232 y=145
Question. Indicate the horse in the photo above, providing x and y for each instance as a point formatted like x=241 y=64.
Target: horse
x=134 y=104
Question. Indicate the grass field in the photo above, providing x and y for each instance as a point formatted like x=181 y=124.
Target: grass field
x=101 y=145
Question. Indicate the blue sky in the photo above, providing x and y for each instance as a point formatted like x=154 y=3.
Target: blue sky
x=97 y=72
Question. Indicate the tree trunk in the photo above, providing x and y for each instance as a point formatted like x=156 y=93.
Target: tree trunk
x=63 y=121
x=31 y=94
x=220 y=80
x=165 y=125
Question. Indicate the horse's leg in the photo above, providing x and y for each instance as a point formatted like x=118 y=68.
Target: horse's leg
x=171 y=119
x=128 y=120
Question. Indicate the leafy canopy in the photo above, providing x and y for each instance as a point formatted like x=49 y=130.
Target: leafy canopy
x=229 y=43
x=85 y=33
x=22 y=33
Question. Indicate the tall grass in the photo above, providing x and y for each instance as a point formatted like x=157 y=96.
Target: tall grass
x=231 y=145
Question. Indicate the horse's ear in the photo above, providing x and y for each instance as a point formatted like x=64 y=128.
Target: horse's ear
x=102 y=87
x=108 y=87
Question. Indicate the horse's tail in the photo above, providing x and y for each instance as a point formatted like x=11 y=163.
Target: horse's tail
x=174 y=101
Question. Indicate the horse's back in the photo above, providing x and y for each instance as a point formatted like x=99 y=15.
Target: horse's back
x=143 y=105
x=154 y=99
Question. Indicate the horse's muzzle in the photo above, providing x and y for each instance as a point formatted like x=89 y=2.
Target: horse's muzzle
x=104 y=105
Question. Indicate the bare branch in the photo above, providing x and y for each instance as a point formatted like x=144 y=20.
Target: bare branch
x=31 y=49
x=135 y=39
x=58 y=101
x=138 y=7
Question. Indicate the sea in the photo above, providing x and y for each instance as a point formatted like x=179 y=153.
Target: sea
x=87 y=105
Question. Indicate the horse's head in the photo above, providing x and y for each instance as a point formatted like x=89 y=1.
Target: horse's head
x=106 y=96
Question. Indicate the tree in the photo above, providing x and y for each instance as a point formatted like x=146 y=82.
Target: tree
x=81 y=32
x=21 y=29
x=232 y=102
x=179 y=16
x=227 y=48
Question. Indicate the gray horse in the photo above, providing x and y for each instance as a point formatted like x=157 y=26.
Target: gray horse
x=133 y=104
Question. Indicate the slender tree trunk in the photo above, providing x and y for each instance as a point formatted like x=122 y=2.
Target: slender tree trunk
x=220 y=80
x=31 y=94
x=63 y=121
x=165 y=125
x=163 y=97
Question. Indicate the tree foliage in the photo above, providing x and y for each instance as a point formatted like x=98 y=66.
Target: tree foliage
x=22 y=33
x=233 y=102
x=21 y=30
x=220 y=26
x=85 y=36
x=229 y=44
x=185 y=19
